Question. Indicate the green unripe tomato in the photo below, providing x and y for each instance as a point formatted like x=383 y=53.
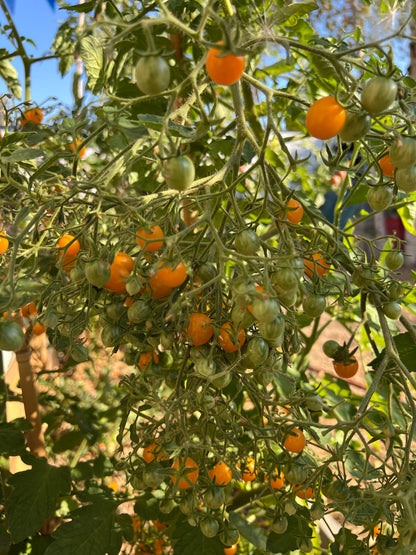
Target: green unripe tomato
x=392 y=310
x=394 y=260
x=166 y=506
x=134 y=285
x=378 y=94
x=314 y=305
x=179 y=172
x=187 y=505
x=139 y=311
x=380 y=198
x=362 y=277
x=317 y=511
x=247 y=242
x=97 y=272
x=274 y=329
x=111 y=335
x=284 y=280
x=406 y=179
x=395 y=290
x=229 y=536
x=115 y=311
x=206 y=272
x=279 y=525
x=403 y=152
x=11 y=336
x=214 y=497
x=355 y=127
x=265 y=310
x=209 y=527
x=330 y=348
x=152 y=75
x=257 y=350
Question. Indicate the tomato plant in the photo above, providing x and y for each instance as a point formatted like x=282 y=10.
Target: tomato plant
x=184 y=278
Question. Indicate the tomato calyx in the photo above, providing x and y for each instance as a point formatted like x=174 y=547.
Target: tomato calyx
x=344 y=355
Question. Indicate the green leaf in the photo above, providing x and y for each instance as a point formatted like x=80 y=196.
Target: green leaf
x=190 y=540
x=253 y=534
x=406 y=348
x=408 y=214
x=291 y=13
x=358 y=196
x=92 y=54
x=12 y=441
x=34 y=497
x=156 y=123
x=348 y=541
x=94 y=530
x=11 y=138
x=9 y=74
x=22 y=154
x=80 y=8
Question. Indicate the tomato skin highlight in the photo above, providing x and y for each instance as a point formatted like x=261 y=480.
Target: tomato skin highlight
x=224 y=70
x=325 y=118
x=346 y=369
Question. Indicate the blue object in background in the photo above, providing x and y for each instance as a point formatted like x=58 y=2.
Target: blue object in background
x=328 y=209
x=12 y=3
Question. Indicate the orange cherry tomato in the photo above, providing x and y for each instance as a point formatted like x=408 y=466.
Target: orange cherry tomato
x=232 y=550
x=160 y=525
x=199 y=329
x=74 y=148
x=143 y=237
x=151 y=452
x=325 y=118
x=295 y=441
x=190 y=476
x=302 y=492
x=221 y=474
x=146 y=357
x=4 y=243
x=38 y=329
x=69 y=247
x=120 y=269
x=316 y=264
x=294 y=211
x=34 y=115
x=277 y=482
x=346 y=369
x=224 y=70
x=157 y=289
x=226 y=338
x=171 y=275
x=248 y=467
x=28 y=310
x=386 y=166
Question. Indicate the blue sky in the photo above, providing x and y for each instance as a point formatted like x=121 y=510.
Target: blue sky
x=36 y=20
